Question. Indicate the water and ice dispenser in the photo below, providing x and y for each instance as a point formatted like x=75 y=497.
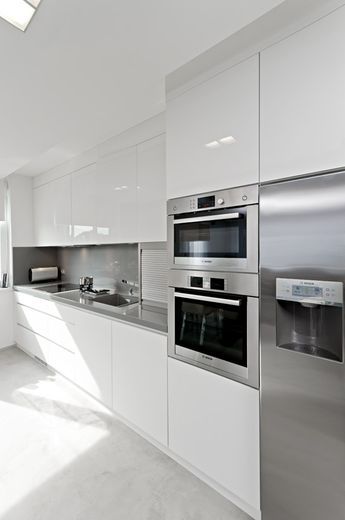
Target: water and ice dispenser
x=310 y=317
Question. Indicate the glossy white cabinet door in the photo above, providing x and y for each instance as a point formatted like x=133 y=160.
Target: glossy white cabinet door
x=224 y=107
x=85 y=206
x=151 y=186
x=93 y=355
x=116 y=197
x=52 y=213
x=140 y=378
x=302 y=101
x=55 y=356
x=214 y=425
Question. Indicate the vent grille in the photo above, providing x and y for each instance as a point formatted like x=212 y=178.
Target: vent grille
x=154 y=265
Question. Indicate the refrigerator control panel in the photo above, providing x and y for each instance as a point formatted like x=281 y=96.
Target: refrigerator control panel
x=309 y=291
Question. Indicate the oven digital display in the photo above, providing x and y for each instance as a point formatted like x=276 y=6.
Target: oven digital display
x=304 y=290
x=207 y=202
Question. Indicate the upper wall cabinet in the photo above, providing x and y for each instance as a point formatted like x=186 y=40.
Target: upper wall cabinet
x=52 y=213
x=117 y=196
x=151 y=190
x=212 y=133
x=104 y=199
x=302 y=101
x=84 y=207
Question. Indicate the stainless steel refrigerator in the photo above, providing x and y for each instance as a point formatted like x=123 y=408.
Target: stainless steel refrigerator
x=302 y=228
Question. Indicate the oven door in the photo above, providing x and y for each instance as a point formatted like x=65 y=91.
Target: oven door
x=218 y=333
x=225 y=240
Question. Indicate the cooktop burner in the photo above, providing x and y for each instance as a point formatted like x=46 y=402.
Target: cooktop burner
x=57 y=288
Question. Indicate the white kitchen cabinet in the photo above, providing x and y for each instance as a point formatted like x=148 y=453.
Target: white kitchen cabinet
x=226 y=108
x=60 y=331
x=52 y=213
x=75 y=343
x=214 y=425
x=151 y=186
x=86 y=188
x=140 y=378
x=48 y=351
x=93 y=355
x=6 y=318
x=302 y=101
x=21 y=210
x=115 y=197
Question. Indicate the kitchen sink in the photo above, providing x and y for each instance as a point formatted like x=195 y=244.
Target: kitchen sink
x=116 y=300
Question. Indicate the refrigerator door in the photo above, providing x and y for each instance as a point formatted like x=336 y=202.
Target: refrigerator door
x=302 y=395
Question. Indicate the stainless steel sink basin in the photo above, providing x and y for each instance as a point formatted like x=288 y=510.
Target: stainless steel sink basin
x=116 y=300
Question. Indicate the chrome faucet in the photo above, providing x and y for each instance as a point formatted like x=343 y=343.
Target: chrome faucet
x=133 y=285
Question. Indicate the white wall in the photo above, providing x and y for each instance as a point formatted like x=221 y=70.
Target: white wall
x=6 y=318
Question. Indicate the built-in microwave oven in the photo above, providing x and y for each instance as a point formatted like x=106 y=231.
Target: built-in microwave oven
x=215 y=231
x=214 y=322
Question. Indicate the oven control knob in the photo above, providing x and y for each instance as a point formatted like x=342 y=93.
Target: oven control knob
x=220 y=201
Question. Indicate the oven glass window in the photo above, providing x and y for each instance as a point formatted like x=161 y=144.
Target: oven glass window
x=218 y=330
x=211 y=239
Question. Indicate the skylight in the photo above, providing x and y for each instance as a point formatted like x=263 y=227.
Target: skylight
x=18 y=12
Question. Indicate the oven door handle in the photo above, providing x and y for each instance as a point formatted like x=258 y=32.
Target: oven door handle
x=206 y=299
x=207 y=218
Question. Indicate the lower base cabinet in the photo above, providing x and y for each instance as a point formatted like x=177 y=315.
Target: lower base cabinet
x=93 y=356
x=140 y=378
x=42 y=348
x=214 y=426
x=75 y=343
x=213 y=421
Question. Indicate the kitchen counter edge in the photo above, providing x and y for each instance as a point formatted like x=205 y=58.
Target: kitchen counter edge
x=159 y=324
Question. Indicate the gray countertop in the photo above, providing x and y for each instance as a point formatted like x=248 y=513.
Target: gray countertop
x=151 y=315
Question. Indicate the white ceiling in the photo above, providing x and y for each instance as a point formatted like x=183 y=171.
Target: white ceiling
x=86 y=70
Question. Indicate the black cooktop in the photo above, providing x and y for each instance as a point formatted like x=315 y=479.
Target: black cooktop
x=58 y=287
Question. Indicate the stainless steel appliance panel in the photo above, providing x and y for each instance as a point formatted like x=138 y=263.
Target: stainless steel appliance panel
x=302 y=237
x=221 y=199
x=246 y=284
x=215 y=231
x=215 y=329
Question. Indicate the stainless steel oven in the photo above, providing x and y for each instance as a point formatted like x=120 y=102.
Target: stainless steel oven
x=215 y=231
x=214 y=322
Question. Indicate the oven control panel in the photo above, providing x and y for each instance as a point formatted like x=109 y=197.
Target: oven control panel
x=205 y=282
x=234 y=197
x=309 y=291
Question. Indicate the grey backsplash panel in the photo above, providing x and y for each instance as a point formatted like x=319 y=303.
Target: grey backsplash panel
x=108 y=264
x=26 y=257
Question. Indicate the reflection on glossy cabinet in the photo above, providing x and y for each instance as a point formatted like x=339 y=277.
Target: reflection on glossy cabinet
x=52 y=213
x=93 y=355
x=212 y=133
x=302 y=101
x=85 y=206
x=116 y=197
x=151 y=186
x=214 y=425
x=140 y=378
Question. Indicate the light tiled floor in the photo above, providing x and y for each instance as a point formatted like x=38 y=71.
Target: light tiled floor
x=65 y=457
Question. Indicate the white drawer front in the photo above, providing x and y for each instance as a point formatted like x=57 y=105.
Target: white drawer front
x=40 y=304
x=32 y=319
x=64 y=312
x=30 y=342
x=54 y=329
x=57 y=357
